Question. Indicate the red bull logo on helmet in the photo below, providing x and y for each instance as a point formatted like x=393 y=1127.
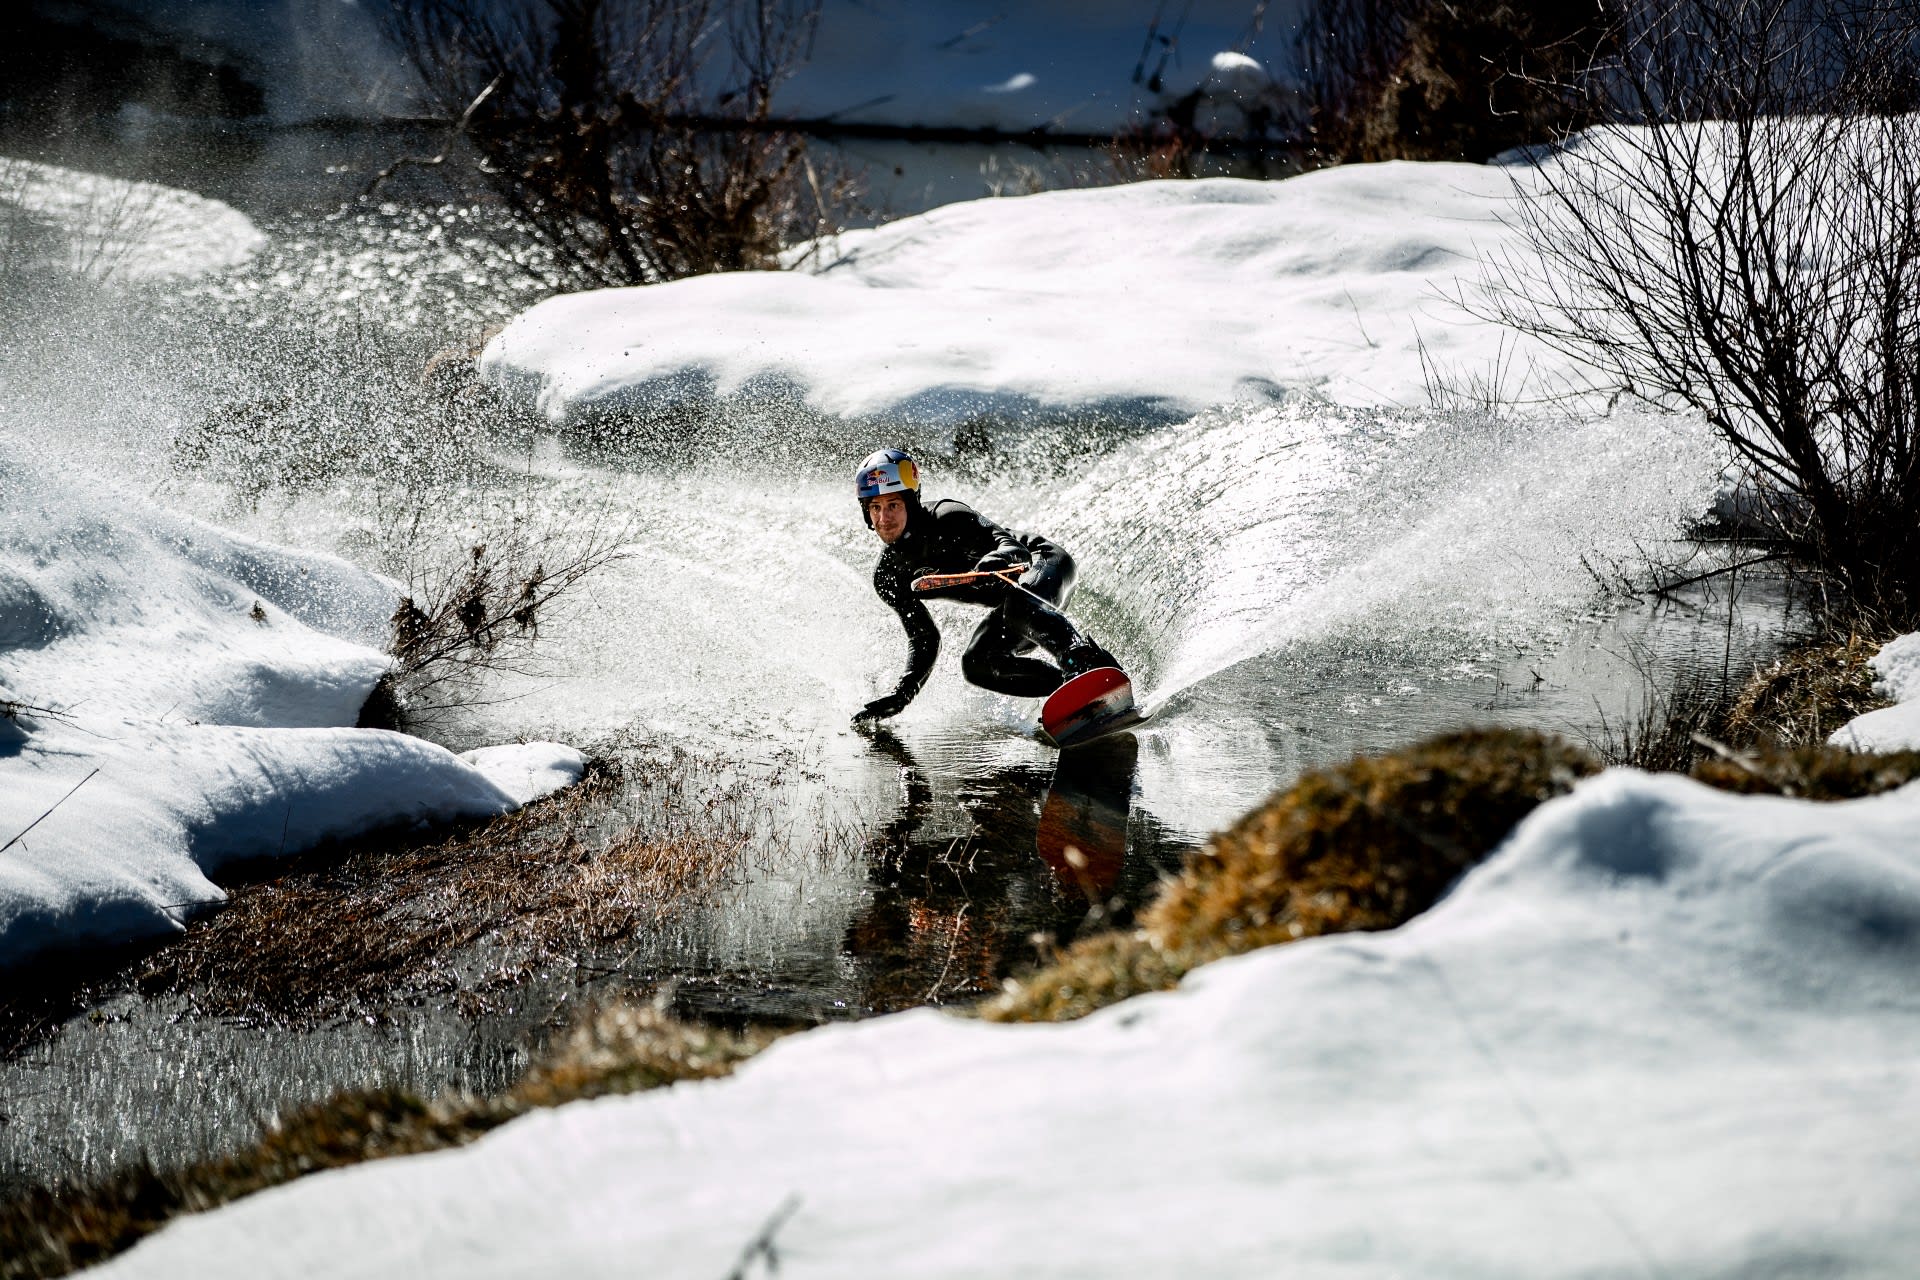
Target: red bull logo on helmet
x=887 y=474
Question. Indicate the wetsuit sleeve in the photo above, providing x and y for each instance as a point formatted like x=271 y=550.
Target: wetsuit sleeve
x=923 y=634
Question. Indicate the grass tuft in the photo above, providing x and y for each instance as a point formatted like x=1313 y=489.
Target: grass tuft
x=1093 y=973
x=1809 y=773
x=1367 y=845
x=625 y=1048
x=1665 y=736
x=1805 y=695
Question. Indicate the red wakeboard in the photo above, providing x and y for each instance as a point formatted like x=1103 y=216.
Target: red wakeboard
x=1089 y=707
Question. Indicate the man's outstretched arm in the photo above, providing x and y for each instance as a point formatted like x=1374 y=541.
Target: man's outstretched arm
x=923 y=646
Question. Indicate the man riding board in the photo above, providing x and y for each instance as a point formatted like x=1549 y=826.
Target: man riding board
x=948 y=536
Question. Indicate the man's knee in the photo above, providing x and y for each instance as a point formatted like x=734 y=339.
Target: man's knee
x=977 y=665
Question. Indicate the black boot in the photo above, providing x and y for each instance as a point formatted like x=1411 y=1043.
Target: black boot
x=1084 y=657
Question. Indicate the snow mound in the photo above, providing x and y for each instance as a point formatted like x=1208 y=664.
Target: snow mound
x=139 y=232
x=1152 y=300
x=1895 y=728
x=1898 y=666
x=528 y=770
x=1663 y=1031
x=171 y=699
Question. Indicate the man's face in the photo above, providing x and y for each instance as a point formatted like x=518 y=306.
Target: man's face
x=889 y=515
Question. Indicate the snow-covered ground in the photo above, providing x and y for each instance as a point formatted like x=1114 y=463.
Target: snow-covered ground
x=109 y=228
x=1363 y=283
x=178 y=697
x=1664 y=1031
x=1156 y=299
x=1896 y=728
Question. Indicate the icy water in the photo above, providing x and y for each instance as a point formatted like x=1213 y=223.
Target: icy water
x=1291 y=582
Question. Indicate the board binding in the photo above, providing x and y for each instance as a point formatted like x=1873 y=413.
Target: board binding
x=1089 y=707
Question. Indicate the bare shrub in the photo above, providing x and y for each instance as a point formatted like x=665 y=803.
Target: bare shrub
x=393 y=430
x=27 y=240
x=632 y=139
x=1445 y=80
x=479 y=610
x=482 y=550
x=289 y=443
x=1747 y=246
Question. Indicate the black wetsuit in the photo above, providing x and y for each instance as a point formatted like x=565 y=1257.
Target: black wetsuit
x=951 y=537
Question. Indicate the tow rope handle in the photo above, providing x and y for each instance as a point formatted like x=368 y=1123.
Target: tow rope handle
x=941 y=581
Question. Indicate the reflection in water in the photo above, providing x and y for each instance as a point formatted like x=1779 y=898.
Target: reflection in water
x=1047 y=856
x=1083 y=824
x=947 y=914
x=950 y=916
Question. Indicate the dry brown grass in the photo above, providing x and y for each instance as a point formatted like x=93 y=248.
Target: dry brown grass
x=619 y=1049
x=1809 y=773
x=624 y=1048
x=1367 y=845
x=557 y=879
x=1805 y=695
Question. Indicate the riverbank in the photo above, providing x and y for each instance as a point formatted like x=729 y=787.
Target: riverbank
x=1369 y=847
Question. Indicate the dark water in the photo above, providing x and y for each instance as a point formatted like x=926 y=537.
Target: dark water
x=1291 y=582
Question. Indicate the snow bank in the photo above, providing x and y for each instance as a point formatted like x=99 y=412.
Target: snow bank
x=1153 y=299
x=108 y=228
x=174 y=696
x=1895 y=728
x=525 y=771
x=1665 y=1031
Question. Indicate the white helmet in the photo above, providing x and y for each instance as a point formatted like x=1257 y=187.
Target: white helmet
x=887 y=471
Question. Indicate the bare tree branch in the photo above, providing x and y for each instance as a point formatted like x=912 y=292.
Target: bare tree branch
x=632 y=139
x=1744 y=242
